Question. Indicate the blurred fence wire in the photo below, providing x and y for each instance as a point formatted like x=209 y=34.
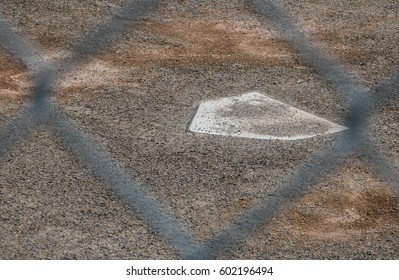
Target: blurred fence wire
x=43 y=111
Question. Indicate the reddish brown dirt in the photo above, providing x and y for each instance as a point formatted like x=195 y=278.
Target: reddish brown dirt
x=181 y=41
x=13 y=81
x=344 y=208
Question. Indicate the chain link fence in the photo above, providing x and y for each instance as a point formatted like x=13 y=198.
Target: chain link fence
x=44 y=111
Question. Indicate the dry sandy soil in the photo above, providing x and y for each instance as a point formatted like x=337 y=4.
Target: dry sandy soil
x=135 y=100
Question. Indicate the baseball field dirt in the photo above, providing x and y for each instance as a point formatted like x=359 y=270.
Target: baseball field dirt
x=135 y=100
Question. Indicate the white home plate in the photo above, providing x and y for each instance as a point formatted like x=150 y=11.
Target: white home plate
x=254 y=115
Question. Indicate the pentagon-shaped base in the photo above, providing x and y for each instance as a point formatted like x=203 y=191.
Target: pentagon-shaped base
x=254 y=115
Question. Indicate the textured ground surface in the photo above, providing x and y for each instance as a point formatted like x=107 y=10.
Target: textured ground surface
x=136 y=99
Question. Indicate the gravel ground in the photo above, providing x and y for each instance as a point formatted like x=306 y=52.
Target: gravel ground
x=136 y=99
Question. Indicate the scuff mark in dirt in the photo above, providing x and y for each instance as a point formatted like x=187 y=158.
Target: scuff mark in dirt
x=197 y=41
x=346 y=205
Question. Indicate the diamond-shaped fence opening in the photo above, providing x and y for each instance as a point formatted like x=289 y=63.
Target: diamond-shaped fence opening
x=43 y=111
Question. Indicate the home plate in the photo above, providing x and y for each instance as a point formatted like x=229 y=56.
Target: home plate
x=254 y=115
